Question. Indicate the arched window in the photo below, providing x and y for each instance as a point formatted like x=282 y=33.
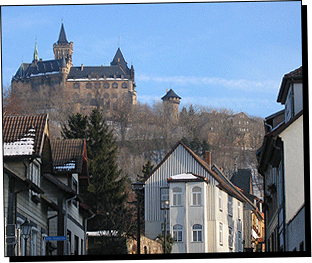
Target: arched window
x=196 y=195
x=124 y=85
x=115 y=85
x=197 y=233
x=177 y=233
x=89 y=85
x=106 y=85
x=76 y=85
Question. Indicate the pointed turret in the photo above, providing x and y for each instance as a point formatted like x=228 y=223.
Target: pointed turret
x=171 y=102
x=119 y=60
x=36 y=55
x=62 y=37
x=63 y=48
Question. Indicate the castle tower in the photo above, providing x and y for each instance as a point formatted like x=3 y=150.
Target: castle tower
x=171 y=102
x=63 y=48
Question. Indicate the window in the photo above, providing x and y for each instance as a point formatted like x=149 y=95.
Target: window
x=89 y=85
x=115 y=85
x=177 y=233
x=220 y=200
x=196 y=195
x=240 y=241
x=230 y=205
x=124 y=85
x=230 y=237
x=76 y=85
x=239 y=210
x=106 y=85
x=34 y=176
x=221 y=234
x=177 y=196
x=97 y=85
x=197 y=233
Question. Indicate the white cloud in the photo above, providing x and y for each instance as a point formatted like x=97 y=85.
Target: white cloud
x=244 y=85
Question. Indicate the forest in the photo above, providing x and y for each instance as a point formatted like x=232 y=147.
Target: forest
x=147 y=133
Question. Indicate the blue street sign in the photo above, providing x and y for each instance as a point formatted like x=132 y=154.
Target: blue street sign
x=55 y=238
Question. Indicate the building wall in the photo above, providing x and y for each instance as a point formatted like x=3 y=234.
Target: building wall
x=296 y=232
x=292 y=138
x=211 y=215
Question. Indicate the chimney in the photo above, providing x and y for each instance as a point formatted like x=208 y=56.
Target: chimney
x=81 y=67
x=167 y=90
x=208 y=158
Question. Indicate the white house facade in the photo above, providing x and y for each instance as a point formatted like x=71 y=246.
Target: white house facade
x=205 y=212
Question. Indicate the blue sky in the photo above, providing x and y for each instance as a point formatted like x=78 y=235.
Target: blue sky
x=225 y=55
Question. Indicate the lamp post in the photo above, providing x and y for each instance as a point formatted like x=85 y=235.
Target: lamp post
x=26 y=228
x=165 y=207
x=138 y=189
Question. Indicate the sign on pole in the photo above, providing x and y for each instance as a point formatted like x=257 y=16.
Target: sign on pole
x=55 y=238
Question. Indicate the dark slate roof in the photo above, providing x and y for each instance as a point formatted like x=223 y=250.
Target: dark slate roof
x=94 y=72
x=243 y=180
x=37 y=68
x=62 y=37
x=68 y=155
x=16 y=128
x=119 y=60
x=291 y=77
x=170 y=94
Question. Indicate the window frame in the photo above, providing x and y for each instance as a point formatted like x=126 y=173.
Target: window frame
x=177 y=196
x=177 y=231
x=196 y=196
x=197 y=233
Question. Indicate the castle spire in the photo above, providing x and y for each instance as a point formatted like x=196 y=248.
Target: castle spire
x=62 y=37
x=36 y=55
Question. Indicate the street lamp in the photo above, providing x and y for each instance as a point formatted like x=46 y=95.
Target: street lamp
x=165 y=205
x=138 y=189
x=26 y=229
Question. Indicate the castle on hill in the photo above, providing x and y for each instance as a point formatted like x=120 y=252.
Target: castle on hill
x=87 y=87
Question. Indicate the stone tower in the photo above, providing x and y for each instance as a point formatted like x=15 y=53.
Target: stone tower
x=63 y=48
x=171 y=102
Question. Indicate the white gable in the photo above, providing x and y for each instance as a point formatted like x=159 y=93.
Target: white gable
x=180 y=161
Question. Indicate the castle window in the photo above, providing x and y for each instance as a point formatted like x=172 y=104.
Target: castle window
x=106 y=95
x=97 y=85
x=115 y=96
x=115 y=85
x=89 y=85
x=76 y=85
x=124 y=85
x=106 y=85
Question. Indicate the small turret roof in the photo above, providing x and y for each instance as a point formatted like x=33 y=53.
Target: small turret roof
x=170 y=94
x=62 y=38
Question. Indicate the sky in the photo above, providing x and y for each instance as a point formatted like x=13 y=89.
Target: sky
x=221 y=55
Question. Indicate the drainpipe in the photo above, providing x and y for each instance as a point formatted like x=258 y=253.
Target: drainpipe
x=85 y=233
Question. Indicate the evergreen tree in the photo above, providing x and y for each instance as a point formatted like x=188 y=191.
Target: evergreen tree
x=76 y=127
x=107 y=193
